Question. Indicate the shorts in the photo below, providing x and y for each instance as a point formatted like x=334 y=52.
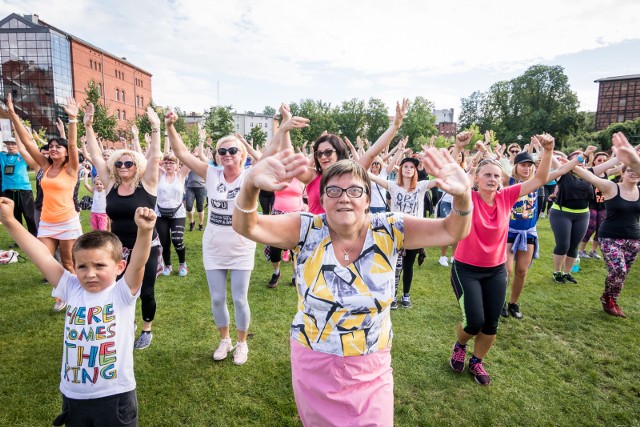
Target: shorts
x=65 y=230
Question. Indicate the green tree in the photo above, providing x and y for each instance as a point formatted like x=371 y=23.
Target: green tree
x=351 y=118
x=219 y=122
x=104 y=123
x=471 y=110
x=256 y=136
x=419 y=121
x=190 y=136
x=269 y=111
x=377 y=119
x=321 y=116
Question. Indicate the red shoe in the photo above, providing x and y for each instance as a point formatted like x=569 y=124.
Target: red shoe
x=609 y=306
x=618 y=309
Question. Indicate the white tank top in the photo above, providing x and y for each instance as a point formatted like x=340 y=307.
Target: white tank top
x=170 y=194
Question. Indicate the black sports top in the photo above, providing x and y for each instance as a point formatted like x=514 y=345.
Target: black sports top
x=121 y=210
x=622 y=219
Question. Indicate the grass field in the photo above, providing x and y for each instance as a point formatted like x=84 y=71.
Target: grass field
x=565 y=363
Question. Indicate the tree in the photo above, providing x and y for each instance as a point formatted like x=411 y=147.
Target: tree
x=219 y=122
x=377 y=119
x=471 y=110
x=419 y=121
x=269 y=111
x=321 y=116
x=256 y=136
x=104 y=123
x=351 y=118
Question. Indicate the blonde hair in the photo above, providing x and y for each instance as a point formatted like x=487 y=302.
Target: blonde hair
x=239 y=145
x=138 y=159
x=515 y=175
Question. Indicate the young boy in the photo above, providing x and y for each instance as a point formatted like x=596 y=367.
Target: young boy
x=97 y=381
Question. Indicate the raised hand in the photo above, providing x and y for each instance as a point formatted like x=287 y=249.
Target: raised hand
x=294 y=122
x=450 y=177
x=401 y=111
x=202 y=134
x=147 y=138
x=60 y=127
x=273 y=173
x=285 y=111
x=169 y=118
x=154 y=120
x=479 y=146
x=463 y=138
x=135 y=132
x=590 y=149
x=88 y=115
x=145 y=218
x=71 y=108
x=546 y=141
x=6 y=210
x=624 y=151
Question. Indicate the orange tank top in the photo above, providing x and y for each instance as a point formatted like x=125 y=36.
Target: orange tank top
x=57 y=204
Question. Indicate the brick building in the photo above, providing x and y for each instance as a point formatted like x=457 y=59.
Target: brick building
x=444 y=122
x=618 y=100
x=42 y=65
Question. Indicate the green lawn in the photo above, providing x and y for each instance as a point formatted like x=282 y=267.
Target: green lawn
x=565 y=363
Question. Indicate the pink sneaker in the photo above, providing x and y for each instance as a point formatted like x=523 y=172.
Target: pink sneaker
x=285 y=256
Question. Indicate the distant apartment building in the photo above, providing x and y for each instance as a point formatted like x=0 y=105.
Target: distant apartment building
x=243 y=122
x=42 y=65
x=618 y=100
x=444 y=122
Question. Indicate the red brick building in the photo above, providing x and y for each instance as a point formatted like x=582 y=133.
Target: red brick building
x=41 y=65
x=618 y=100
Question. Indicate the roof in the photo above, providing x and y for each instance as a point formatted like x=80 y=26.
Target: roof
x=43 y=24
x=611 y=79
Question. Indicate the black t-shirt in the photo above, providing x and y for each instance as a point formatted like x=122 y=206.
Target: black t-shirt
x=573 y=192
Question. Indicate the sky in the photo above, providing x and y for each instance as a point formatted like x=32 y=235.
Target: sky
x=250 y=54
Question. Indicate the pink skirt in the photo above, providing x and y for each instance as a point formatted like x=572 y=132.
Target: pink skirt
x=333 y=390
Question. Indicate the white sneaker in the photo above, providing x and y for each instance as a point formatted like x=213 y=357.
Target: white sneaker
x=223 y=349
x=443 y=261
x=451 y=260
x=241 y=353
x=167 y=270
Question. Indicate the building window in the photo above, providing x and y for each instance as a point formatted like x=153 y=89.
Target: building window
x=620 y=118
x=124 y=115
x=99 y=67
x=142 y=101
x=117 y=96
x=123 y=99
x=622 y=102
x=91 y=63
x=118 y=114
x=100 y=89
x=137 y=101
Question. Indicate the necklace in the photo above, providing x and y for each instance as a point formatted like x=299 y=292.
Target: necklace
x=346 y=253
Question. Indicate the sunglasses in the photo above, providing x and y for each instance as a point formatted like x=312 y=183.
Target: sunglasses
x=376 y=164
x=352 y=192
x=514 y=151
x=128 y=164
x=325 y=153
x=232 y=151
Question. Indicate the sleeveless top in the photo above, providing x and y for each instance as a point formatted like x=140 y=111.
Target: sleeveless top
x=313 y=195
x=170 y=195
x=58 y=203
x=573 y=194
x=121 y=210
x=622 y=219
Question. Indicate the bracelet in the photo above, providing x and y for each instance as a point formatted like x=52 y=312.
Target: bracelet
x=72 y=121
x=462 y=213
x=156 y=130
x=247 y=211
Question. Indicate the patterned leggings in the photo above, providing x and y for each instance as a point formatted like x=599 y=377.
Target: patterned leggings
x=619 y=255
x=596 y=218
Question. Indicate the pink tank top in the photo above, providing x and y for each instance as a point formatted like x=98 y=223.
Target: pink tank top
x=313 y=195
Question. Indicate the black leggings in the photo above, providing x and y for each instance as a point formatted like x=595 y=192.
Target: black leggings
x=480 y=291
x=405 y=264
x=543 y=196
x=147 y=292
x=568 y=229
x=266 y=198
x=171 y=230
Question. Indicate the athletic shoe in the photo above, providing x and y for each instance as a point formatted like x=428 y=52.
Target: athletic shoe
x=514 y=310
x=504 y=312
x=183 y=270
x=191 y=226
x=458 y=356
x=285 y=256
x=543 y=215
x=595 y=255
x=143 y=341
x=421 y=257
x=406 y=301
x=569 y=278
x=608 y=305
x=201 y=227
x=479 y=374
x=583 y=255
x=293 y=281
x=59 y=305
x=558 y=277
x=223 y=349
x=443 y=261
x=167 y=270
x=451 y=260
x=274 y=280
x=241 y=353
x=394 y=305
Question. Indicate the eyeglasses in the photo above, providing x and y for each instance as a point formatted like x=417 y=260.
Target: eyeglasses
x=232 y=151
x=334 y=192
x=170 y=162
x=326 y=153
x=128 y=164
x=514 y=151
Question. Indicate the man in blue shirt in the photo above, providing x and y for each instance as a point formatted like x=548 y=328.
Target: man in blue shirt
x=16 y=185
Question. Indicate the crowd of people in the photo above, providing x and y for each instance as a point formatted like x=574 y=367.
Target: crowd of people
x=371 y=200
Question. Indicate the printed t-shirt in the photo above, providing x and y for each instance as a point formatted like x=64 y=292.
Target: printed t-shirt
x=97 y=349
x=345 y=310
x=408 y=202
x=222 y=247
x=486 y=244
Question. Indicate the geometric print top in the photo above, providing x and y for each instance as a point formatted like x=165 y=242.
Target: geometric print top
x=346 y=310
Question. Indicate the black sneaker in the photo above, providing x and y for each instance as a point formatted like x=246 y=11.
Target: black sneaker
x=191 y=225
x=558 y=277
x=406 y=301
x=421 y=257
x=479 y=374
x=394 y=305
x=504 y=312
x=274 y=280
x=569 y=278
x=293 y=281
x=201 y=227
x=458 y=356
x=514 y=310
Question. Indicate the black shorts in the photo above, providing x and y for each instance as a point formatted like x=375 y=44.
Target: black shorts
x=530 y=240
x=118 y=410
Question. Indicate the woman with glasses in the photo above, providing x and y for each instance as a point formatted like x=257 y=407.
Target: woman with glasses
x=478 y=273
x=59 y=225
x=171 y=213
x=330 y=148
x=131 y=181
x=341 y=335
x=224 y=251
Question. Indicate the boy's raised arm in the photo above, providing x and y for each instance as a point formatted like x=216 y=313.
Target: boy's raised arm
x=35 y=250
x=145 y=219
